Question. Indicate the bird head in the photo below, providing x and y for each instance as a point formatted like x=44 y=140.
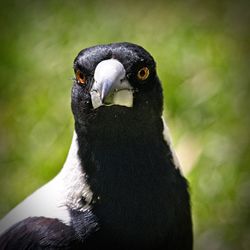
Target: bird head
x=113 y=79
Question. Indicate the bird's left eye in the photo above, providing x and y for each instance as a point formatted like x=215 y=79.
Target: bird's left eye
x=80 y=77
x=143 y=73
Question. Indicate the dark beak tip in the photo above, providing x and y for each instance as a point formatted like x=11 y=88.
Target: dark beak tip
x=106 y=87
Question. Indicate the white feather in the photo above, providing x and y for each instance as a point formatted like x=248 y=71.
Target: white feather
x=53 y=199
x=167 y=138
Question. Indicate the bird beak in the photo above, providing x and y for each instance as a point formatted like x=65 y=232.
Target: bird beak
x=110 y=85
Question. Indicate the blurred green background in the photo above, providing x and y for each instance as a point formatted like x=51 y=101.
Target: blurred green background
x=202 y=53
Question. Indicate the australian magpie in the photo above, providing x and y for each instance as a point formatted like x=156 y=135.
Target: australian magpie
x=121 y=185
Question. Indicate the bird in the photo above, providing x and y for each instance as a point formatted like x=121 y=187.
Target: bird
x=121 y=186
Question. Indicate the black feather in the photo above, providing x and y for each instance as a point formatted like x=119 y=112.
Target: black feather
x=39 y=233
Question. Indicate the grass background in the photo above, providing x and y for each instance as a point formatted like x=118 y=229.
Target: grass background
x=202 y=54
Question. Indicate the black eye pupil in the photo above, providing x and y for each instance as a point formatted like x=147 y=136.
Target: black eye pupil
x=142 y=73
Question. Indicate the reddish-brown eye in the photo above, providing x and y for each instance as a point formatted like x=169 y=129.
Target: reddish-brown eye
x=80 y=77
x=143 y=73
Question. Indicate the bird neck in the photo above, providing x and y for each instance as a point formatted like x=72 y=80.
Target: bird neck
x=118 y=150
x=131 y=173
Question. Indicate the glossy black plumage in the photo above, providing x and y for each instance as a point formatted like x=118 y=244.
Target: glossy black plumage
x=39 y=233
x=140 y=199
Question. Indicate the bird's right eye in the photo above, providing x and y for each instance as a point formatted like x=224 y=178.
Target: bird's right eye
x=80 y=78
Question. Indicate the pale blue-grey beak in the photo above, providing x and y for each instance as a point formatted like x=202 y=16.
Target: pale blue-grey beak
x=110 y=85
x=106 y=87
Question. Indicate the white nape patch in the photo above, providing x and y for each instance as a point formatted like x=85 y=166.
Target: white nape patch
x=167 y=138
x=53 y=199
x=74 y=180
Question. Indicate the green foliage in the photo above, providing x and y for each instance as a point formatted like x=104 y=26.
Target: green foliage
x=202 y=56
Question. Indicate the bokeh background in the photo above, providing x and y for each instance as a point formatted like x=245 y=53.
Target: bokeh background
x=202 y=53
